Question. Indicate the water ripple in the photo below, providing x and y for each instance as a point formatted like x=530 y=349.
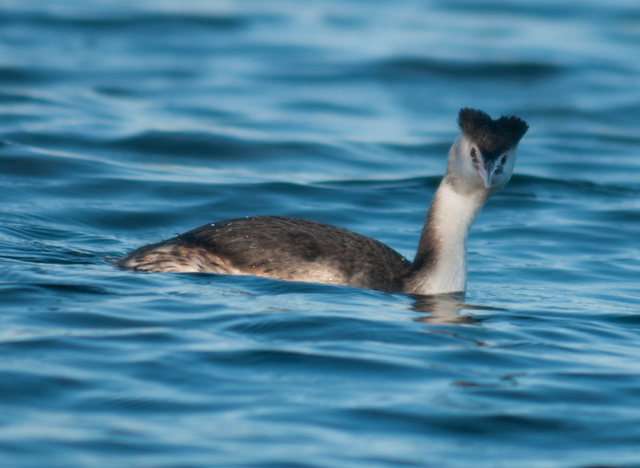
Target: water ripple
x=123 y=123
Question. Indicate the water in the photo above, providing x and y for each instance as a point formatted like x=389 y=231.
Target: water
x=123 y=123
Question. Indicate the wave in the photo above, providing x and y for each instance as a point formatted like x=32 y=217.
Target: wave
x=419 y=67
x=147 y=20
x=31 y=75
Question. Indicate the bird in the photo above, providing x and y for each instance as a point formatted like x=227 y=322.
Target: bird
x=480 y=162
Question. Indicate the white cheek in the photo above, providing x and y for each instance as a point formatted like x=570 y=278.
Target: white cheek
x=507 y=171
x=502 y=180
x=464 y=167
x=469 y=171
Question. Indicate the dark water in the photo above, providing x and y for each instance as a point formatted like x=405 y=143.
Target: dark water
x=123 y=123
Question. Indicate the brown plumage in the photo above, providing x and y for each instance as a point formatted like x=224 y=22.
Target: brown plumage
x=276 y=247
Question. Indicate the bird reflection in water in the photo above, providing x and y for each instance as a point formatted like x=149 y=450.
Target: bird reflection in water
x=446 y=309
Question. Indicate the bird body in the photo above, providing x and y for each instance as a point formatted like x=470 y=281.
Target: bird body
x=480 y=163
x=276 y=247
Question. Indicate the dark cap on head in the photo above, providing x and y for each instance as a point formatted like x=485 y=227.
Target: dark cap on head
x=493 y=137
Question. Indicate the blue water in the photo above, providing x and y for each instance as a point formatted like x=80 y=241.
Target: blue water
x=125 y=122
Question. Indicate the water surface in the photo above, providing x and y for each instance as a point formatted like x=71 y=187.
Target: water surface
x=123 y=123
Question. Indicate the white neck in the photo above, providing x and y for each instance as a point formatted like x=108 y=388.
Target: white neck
x=440 y=265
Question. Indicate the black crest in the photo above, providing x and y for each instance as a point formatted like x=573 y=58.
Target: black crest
x=493 y=137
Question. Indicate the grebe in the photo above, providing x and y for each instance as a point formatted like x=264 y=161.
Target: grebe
x=480 y=163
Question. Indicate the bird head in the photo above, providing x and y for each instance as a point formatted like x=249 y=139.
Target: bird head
x=483 y=156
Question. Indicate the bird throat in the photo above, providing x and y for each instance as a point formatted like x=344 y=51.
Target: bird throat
x=440 y=265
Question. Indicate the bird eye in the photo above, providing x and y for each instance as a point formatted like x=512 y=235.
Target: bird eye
x=474 y=153
x=504 y=159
